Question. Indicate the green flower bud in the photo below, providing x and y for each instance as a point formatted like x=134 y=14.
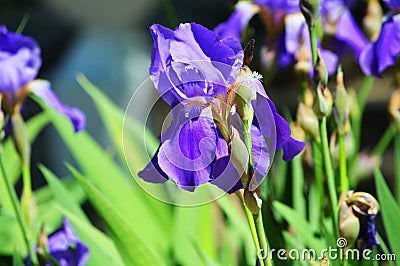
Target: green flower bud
x=30 y=211
x=341 y=110
x=323 y=105
x=321 y=73
x=364 y=203
x=310 y=10
x=349 y=224
x=308 y=121
x=20 y=138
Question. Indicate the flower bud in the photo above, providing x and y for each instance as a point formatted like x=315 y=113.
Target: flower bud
x=303 y=66
x=394 y=107
x=364 y=203
x=310 y=10
x=341 y=110
x=42 y=246
x=20 y=138
x=372 y=21
x=308 y=121
x=323 y=105
x=324 y=262
x=349 y=224
x=321 y=73
x=29 y=210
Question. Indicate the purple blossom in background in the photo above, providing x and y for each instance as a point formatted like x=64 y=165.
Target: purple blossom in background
x=193 y=69
x=20 y=63
x=338 y=21
x=377 y=56
x=66 y=248
x=287 y=24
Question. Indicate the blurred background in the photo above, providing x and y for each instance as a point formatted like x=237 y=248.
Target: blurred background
x=110 y=43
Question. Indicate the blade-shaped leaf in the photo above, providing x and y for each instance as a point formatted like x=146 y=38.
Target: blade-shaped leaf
x=133 y=249
x=390 y=212
x=300 y=225
x=100 y=168
x=62 y=195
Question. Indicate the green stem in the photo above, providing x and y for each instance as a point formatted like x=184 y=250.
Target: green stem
x=314 y=49
x=397 y=165
x=262 y=238
x=17 y=209
x=363 y=94
x=298 y=186
x=26 y=179
x=330 y=178
x=256 y=219
x=384 y=141
x=252 y=225
x=343 y=166
x=318 y=172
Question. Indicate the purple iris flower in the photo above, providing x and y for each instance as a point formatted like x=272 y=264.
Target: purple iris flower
x=20 y=63
x=66 y=248
x=290 y=34
x=338 y=21
x=196 y=73
x=377 y=56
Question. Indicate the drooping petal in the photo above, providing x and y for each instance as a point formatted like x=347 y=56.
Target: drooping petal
x=376 y=57
x=188 y=147
x=238 y=20
x=273 y=126
x=291 y=148
x=42 y=89
x=261 y=155
x=152 y=172
x=19 y=60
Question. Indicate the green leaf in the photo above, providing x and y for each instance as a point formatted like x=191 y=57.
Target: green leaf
x=194 y=228
x=114 y=121
x=17 y=260
x=102 y=249
x=62 y=195
x=13 y=168
x=121 y=191
x=133 y=249
x=49 y=216
x=237 y=220
x=300 y=225
x=390 y=212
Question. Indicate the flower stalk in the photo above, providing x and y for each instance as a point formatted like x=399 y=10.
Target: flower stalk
x=17 y=209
